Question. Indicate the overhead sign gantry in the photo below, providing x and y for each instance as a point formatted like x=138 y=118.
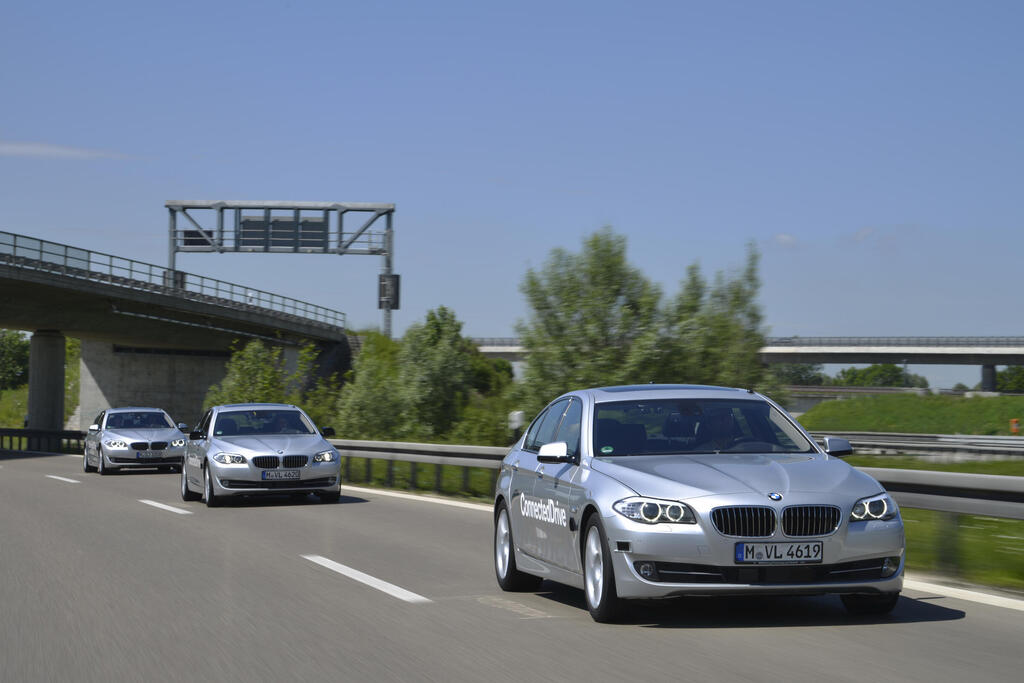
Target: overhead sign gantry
x=289 y=228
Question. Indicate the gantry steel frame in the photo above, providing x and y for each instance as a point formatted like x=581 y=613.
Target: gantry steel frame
x=289 y=227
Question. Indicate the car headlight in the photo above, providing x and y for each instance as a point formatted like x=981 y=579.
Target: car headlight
x=326 y=456
x=115 y=443
x=229 y=459
x=178 y=443
x=876 y=507
x=654 y=511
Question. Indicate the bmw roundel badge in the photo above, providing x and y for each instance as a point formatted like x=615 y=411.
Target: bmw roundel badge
x=775 y=496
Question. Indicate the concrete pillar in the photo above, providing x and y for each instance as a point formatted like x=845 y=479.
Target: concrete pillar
x=46 y=380
x=988 y=378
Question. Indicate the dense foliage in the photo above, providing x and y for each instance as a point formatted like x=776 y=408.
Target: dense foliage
x=14 y=353
x=916 y=414
x=1010 y=380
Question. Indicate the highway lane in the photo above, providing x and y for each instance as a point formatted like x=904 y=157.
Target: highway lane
x=95 y=585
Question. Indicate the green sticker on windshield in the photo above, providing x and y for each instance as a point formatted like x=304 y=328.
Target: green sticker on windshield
x=607 y=449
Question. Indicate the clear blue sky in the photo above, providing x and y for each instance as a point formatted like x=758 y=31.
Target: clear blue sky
x=872 y=150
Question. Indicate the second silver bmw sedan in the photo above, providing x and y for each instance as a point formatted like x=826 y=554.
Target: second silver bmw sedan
x=259 y=448
x=654 y=491
x=129 y=438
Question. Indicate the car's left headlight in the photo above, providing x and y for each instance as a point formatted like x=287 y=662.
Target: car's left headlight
x=654 y=511
x=326 y=456
x=880 y=507
x=178 y=443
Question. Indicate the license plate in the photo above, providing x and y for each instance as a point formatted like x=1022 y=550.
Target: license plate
x=144 y=454
x=778 y=553
x=280 y=474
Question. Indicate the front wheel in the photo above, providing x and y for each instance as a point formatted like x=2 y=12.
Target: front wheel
x=210 y=496
x=187 y=494
x=86 y=467
x=598 y=574
x=870 y=603
x=509 y=577
x=102 y=466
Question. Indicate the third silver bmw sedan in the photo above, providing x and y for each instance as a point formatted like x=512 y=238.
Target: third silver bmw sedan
x=654 y=491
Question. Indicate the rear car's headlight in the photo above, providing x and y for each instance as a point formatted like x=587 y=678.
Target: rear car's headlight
x=880 y=506
x=178 y=443
x=229 y=459
x=326 y=456
x=115 y=443
x=654 y=511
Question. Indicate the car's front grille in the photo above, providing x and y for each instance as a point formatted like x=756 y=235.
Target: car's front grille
x=747 y=521
x=810 y=520
x=266 y=462
x=140 y=445
x=158 y=445
x=677 y=572
x=322 y=482
x=295 y=460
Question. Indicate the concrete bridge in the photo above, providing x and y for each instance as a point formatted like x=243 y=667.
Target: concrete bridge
x=987 y=352
x=150 y=335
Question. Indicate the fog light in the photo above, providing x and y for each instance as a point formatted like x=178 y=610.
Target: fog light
x=889 y=566
x=647 y=570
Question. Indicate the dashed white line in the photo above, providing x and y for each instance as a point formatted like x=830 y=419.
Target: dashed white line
x=169 y=508
x=371 y=581
x=70 y=481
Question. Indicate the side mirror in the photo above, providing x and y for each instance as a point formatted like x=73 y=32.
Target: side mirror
x=556 y=451
x=196 y=436
x=94 y=428
x=182 y=426
x=837 y=447
x=327 y=431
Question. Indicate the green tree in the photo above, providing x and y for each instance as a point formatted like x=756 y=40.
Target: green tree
x=255 y=374
x=800 y=374
x=1010 y=380
x=369 y=406
x=593 y=320
x=14 y=354
x=879 y=375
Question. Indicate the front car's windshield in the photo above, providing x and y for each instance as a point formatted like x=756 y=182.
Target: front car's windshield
x=671 y=426
x=142 y=419
x=264 y=421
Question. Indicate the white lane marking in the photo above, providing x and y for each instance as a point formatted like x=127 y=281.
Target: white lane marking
x=425 y=499
x=963 y=594
x=73 y=455
x=373 y=582
x=169 y=508
x=70 y=481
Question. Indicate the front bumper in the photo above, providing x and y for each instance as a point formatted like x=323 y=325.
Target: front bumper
x=689 y=559
x=247 y=480
x=127 y=459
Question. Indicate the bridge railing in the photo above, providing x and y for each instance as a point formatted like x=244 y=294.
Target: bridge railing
x=41 y=441
x=30 y=253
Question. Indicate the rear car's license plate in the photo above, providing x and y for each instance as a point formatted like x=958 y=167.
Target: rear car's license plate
x=144 y=454
x=280 y=474
x=778 y=553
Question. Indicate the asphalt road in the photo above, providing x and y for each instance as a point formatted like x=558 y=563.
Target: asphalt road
x=98 y=586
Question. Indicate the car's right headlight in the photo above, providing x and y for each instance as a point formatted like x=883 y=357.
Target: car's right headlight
x=880 y=507
x=654 y=511
x=326 y=456
x=229 y=459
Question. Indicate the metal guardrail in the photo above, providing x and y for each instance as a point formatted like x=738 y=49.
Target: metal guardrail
x=41 y=441
x=838 y=341
x=35 y=254
x=930 y=444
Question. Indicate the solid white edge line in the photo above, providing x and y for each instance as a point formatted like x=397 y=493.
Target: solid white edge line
x=945 y=591
x=373 y=582
x=169 y=508
x=70 y=481
x=424 y=499
x=964 y=594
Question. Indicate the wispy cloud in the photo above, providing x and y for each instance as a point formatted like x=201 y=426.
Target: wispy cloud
x=43 y=150
x=784 y=239
x=863 y=234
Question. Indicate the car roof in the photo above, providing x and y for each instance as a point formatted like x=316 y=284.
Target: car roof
x=651 y=392
x=135 y=409
x=255 y=406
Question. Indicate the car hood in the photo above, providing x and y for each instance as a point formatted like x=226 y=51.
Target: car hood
x=690 y=476
x=161 y=434
x=274 y=444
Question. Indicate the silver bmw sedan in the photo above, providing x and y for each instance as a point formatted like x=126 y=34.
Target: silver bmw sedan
x=129 y=438
x=259 y=449
x=653 y=491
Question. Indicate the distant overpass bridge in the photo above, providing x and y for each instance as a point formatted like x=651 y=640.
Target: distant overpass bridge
x=150 y=335
x=987 y=352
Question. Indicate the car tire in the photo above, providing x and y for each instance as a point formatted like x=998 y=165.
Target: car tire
x=210 y=496
x=187 y=494
x=329 y=496
x=102 y=466
x=870 y=603
x=86 y=467
x=603 y=601
x=508 y=575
